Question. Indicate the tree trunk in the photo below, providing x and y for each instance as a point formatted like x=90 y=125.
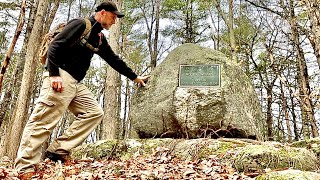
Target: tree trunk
x=69 y=10
x=189 y=26
x=21 y=109
x=294 y=119
x=305 y=126
x=286 y=112
x=154 y=53
x=216 y=27
x=127 y=96
x=269 y=112
x=9 y=98
x=303 y=80
x=314 y=17
x=51 y=16
x=229 y=22
x=7 y=58
x=286 y=108
x=110 y=122
x=152 y=24
x=80 y=8
x=232 y=37
x=16 y=77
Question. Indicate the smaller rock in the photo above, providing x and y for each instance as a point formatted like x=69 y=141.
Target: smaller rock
x=257 y=157
x=290 y=174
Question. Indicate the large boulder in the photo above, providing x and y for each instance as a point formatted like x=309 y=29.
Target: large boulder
x=163 y=109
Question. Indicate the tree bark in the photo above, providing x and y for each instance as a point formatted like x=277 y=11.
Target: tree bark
x=152 y=24
x=231 y=30
x=110 y=122
x=21 y=109
x=269 y=112
x=294 y=119
x=7 y=58
x=50 y=17
x=313 y=8
x=303 y=77
x=17 y=75
x=286 y=112
x=154 y=53
x=189 y=23
x=14 y=85
x=127 y=97
x=229 y=22
x=69 y=10
x=216 y=27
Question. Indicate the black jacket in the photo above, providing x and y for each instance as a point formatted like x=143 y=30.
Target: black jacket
x=66 y=52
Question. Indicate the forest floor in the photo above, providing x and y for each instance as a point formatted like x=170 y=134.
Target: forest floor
x=153 y=167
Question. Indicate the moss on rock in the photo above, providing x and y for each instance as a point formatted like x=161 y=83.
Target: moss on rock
x=289 y=174
x=122 y=149
x=220 y=148
x=313 y=144
x=245 y=155
x=202 y=148
x=100 y=150
x=259 y=157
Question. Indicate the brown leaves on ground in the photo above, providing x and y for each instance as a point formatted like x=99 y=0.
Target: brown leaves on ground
x=159 y=166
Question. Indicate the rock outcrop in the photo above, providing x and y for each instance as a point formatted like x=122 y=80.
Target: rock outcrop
x=244 y=155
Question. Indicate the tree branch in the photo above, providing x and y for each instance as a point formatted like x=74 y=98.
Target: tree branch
x=264 y=7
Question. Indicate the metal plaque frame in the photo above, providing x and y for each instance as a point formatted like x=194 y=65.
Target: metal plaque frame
x=188 y=73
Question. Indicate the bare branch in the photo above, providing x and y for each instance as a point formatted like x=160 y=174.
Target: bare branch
x=265 y=8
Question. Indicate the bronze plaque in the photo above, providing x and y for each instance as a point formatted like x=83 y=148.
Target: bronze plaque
x=199 y=75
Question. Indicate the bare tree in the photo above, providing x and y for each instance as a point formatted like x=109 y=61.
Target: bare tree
x=286 y=112
x=50 y=16
x=110 y=122
x=313 y=9
x=13 y=86
x=228 y=18
x=305 y=100
x=6 y=59
x=8 y=56
x=286 y=11
x=7 y=102
x=21 y=108
x=153 y=25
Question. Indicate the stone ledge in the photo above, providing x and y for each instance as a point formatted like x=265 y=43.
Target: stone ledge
x=244 y=154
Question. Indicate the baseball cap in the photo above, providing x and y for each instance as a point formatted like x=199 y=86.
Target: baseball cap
x=109 y=6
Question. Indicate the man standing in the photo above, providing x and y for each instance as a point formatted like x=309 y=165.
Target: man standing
x=68 y=61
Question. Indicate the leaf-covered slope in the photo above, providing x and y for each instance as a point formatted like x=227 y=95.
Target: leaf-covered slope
x=179 y=159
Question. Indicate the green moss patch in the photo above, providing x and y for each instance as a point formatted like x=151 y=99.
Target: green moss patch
x=100 y=150
x=289 y=174
x=312 y=144
x=260 y=157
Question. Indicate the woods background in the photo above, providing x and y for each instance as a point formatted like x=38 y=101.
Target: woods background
x=276 y=42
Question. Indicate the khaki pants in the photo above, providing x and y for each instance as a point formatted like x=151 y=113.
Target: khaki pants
x=48 y=111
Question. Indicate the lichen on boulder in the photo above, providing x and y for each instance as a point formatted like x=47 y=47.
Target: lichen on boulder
x=313 y=144
x=100 y=149
x=289 y=174
x=260 y=157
